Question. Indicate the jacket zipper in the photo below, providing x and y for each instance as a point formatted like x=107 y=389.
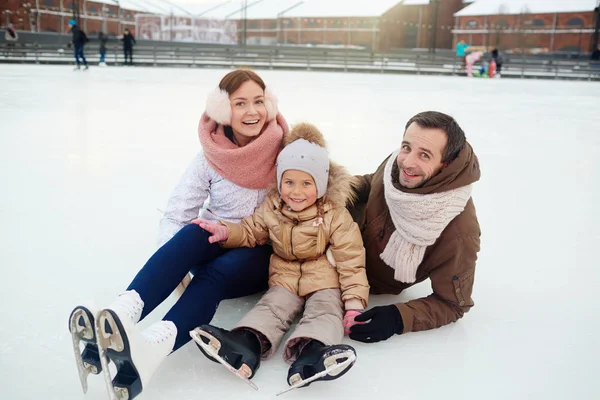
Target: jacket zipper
x=292 y=250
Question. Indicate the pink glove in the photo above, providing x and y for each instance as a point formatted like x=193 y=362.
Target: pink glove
x=219 y=232
x=349 y=320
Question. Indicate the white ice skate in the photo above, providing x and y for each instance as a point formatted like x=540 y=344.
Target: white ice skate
x=81 y=326
x=136 y=354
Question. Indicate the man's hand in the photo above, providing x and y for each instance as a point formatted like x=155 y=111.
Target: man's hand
x=384 y=322
x=219 y=232
x=349 y=320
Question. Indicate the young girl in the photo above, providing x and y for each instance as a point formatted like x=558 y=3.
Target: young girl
x=319 y=264
x=241 y=134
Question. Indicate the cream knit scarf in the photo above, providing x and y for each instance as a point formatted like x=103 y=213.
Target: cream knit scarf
x=419 y=220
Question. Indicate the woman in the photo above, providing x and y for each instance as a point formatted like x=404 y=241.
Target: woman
x=241 y=134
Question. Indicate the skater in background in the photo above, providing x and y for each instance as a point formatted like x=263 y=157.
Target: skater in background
x=128 y=42
x=461 y=48
x=418 y=222
x=471 y=59
x=102 y=38
x=499 y=60
x=304 y=217
x=492 y=68
x=596 y=54
x=241 y=133
x=79 y=39
x=483 y=70
x=11 y=37
x=596 y=60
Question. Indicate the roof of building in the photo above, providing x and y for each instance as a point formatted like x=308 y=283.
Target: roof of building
x=271 y=9
x=342 y=8
x=164 y=7
x=494 y=7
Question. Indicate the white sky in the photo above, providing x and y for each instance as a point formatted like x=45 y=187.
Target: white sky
x=89 y=157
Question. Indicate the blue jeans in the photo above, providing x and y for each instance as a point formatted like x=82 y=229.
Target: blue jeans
x=219 y=274
x=79 y=54
x=102 y=56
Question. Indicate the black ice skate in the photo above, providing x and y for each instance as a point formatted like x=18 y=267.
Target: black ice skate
x=238 y=351
x=81 y=326
x=318 y=362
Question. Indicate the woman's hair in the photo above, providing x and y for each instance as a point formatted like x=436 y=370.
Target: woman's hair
x=233 y=80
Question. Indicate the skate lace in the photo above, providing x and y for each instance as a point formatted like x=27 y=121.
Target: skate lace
x=131 y=306
x=160 y=331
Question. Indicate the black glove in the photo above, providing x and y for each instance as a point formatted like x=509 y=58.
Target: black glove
x=384 y=322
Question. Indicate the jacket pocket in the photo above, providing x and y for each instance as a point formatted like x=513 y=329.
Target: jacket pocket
x=463 y=288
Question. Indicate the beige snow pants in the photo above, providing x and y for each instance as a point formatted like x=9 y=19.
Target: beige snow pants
x=274 y=313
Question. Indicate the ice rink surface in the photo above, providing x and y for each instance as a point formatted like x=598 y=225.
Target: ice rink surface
x=88 y=159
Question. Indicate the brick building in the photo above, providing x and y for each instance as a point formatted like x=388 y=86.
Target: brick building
x=382 y=25
x=529 y=26
x=93 y=16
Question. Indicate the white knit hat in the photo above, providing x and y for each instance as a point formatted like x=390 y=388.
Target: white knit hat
x=308 y=157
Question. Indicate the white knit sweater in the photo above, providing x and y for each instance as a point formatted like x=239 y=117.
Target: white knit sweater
x=226 y=200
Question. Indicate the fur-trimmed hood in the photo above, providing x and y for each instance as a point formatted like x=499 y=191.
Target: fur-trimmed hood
x=340 y=184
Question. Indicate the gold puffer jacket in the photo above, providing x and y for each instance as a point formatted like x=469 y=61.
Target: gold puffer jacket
x=317 y=248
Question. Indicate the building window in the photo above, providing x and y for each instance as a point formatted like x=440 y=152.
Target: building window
x=501 y=24
x=272 y=25
x=471 y=24
x=48 y=3
x=92 y=8
x=538 y=22
x=312 y=22
x=575 y=22
x=288 y=23
x=253 y=25
x=109 y=11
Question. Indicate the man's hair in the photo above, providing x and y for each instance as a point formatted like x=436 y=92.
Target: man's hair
x=454 y=133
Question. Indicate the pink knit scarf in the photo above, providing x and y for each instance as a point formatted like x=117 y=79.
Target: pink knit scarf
x=252 y=166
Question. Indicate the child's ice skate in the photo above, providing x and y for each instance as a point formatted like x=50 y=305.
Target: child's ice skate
x=319 y=362
x=136 y=354
x=81 y=326
x=238 y=351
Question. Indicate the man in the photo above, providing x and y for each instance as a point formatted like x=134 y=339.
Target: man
x=103 y=39
x=497 y=57
x=418 y=221
x=128 y=42
x=78 y=40
x=595 y=65
x=596 y=53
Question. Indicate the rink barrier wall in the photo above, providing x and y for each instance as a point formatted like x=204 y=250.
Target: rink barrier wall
x=289 y=58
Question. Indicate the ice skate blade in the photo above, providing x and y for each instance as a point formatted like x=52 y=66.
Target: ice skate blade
x=331 y=368
x=213 y=347
x=81 y=333
x=108 y=340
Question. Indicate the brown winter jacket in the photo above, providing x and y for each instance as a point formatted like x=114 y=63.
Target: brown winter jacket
x=449 y=262
x=299 y=262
